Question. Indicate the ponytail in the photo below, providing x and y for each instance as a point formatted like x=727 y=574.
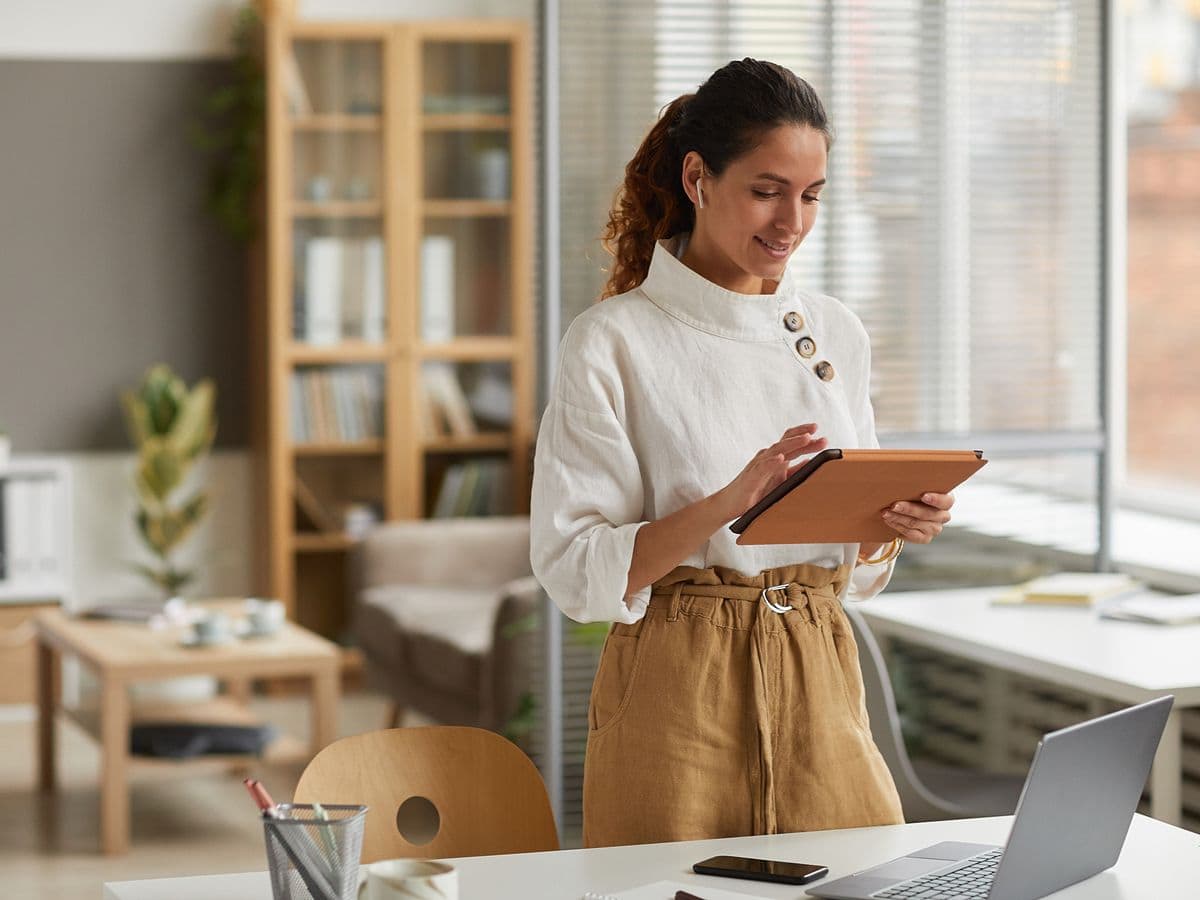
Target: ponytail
x=725 y=118
x=649 y=205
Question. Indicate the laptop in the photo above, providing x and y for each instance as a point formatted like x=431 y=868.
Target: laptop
x=1072 y=818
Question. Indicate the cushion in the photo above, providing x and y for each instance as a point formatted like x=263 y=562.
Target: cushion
x=443 y=632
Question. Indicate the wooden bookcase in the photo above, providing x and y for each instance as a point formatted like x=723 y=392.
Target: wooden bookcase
x=397 y=350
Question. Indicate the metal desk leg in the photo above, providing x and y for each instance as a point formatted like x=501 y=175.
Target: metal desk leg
x=1166 y=776
x=114 y=781
x=47 y=690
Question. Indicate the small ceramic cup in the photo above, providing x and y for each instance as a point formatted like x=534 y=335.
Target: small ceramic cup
x=265 y=616
x=407 y=879
x=213 y=628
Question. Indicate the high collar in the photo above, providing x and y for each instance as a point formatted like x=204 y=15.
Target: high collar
x=696 y=301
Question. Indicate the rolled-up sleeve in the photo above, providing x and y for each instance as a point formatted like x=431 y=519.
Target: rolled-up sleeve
x=587 y=501
x=585 y=513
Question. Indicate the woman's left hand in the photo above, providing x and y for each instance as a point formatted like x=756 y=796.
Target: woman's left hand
x=920 y=523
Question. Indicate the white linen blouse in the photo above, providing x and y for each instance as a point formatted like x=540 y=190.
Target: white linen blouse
x=662 y=395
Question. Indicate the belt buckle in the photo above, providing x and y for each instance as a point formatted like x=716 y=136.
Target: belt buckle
x=775 y=607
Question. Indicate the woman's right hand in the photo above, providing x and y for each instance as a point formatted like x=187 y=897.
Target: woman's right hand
x=767 y=469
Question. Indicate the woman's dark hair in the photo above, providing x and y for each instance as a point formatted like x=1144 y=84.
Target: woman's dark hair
x=724 y=119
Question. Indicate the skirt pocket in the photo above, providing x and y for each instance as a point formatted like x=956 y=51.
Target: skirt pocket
x=845 y=654
x=616 y=675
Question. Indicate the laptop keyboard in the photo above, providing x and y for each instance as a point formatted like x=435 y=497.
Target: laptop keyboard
x=970 y=881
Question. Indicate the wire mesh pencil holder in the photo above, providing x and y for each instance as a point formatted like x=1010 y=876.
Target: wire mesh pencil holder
x=311 y=858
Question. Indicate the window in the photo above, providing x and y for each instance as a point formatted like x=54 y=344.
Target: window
x=962 y=220
x=1162 y=90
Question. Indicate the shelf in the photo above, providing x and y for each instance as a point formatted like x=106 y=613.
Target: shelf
x=219 y=710
x=347 y=351
x=470 y=349
x=466 y=209
x=479 y=443
x=466 y=122
x=321 y=543
x=348 y=209
x=337 y=122
x=357 y=448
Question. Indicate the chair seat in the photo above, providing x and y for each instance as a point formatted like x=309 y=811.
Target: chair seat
x=983 y=793
x=442 y=632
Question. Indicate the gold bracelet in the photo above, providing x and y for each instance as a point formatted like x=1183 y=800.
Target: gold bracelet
x=896 y=545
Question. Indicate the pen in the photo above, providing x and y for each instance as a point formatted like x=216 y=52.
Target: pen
x=305 y=858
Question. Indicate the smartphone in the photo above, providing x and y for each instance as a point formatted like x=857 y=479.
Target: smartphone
x=760 y=869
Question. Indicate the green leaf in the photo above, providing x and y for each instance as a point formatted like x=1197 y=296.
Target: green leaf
x=137 y=417
x=193 y=431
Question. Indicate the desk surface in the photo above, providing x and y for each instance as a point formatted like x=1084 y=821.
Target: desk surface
x=1126 y=661
x=1159 y=862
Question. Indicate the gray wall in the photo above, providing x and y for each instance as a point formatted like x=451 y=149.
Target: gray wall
x=108 y=260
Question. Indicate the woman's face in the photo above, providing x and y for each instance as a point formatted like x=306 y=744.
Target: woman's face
x=758 y=210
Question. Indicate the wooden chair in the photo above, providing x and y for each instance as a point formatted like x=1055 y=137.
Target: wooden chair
x=486 y=795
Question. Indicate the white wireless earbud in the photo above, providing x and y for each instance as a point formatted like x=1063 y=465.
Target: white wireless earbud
x=699 y=194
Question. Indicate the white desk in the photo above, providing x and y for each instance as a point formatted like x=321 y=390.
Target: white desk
x=1124 y=661
x=1159 y=862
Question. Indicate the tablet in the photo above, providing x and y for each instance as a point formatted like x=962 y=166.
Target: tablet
x=837 y=496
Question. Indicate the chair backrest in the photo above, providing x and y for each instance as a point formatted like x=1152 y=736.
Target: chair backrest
x=920 y=804
x=489 y=798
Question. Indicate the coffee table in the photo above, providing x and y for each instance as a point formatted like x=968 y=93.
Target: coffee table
x=123 y=653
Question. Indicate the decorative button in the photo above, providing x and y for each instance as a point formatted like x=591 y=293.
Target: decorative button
x=793 y=321
x=806 y=347
x=824 y=370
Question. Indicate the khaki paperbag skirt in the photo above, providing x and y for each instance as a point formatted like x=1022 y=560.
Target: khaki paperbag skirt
x=716 y=716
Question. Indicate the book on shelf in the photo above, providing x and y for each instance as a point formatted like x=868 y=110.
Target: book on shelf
x=437 y=288
x=323 y=290
x=338 y=404
x=444 y=393
x=477 y=487
x=293 y=82
x=374 y=300
x=318 y=514
x=344 y=291
x=1070 y=589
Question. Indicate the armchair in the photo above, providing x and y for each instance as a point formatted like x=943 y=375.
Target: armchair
x=432 y=601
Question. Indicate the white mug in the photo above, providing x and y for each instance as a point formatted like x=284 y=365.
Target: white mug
x=407 y=879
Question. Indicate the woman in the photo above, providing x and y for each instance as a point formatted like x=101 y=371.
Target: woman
x=712 y=714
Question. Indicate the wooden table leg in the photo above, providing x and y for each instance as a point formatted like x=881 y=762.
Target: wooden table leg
x=1166 y=775
x=47 y=689
x=114 y=781
x=324 y=707
x=238 y=690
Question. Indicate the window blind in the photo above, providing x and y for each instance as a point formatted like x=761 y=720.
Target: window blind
x=962 y=219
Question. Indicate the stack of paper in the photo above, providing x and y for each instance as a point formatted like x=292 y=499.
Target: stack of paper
x=1070 y=589
x=1155 y=609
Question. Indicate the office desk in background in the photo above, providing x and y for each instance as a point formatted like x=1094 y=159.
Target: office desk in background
x=1159 y=862
x=1128 y=662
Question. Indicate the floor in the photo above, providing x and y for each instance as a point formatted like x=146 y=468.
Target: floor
x=202 y=823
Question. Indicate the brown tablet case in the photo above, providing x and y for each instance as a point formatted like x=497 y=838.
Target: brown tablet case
x=838 y=496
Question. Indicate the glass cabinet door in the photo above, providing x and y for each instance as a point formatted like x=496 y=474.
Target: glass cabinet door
x=465 y=274
x=335 y=100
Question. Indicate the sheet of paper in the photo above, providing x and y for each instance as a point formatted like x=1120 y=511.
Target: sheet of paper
x=665 y=890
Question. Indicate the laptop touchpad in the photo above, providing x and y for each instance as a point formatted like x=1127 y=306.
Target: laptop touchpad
x=905 y=867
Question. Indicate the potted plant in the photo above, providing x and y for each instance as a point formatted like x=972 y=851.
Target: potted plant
x=172 y=428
